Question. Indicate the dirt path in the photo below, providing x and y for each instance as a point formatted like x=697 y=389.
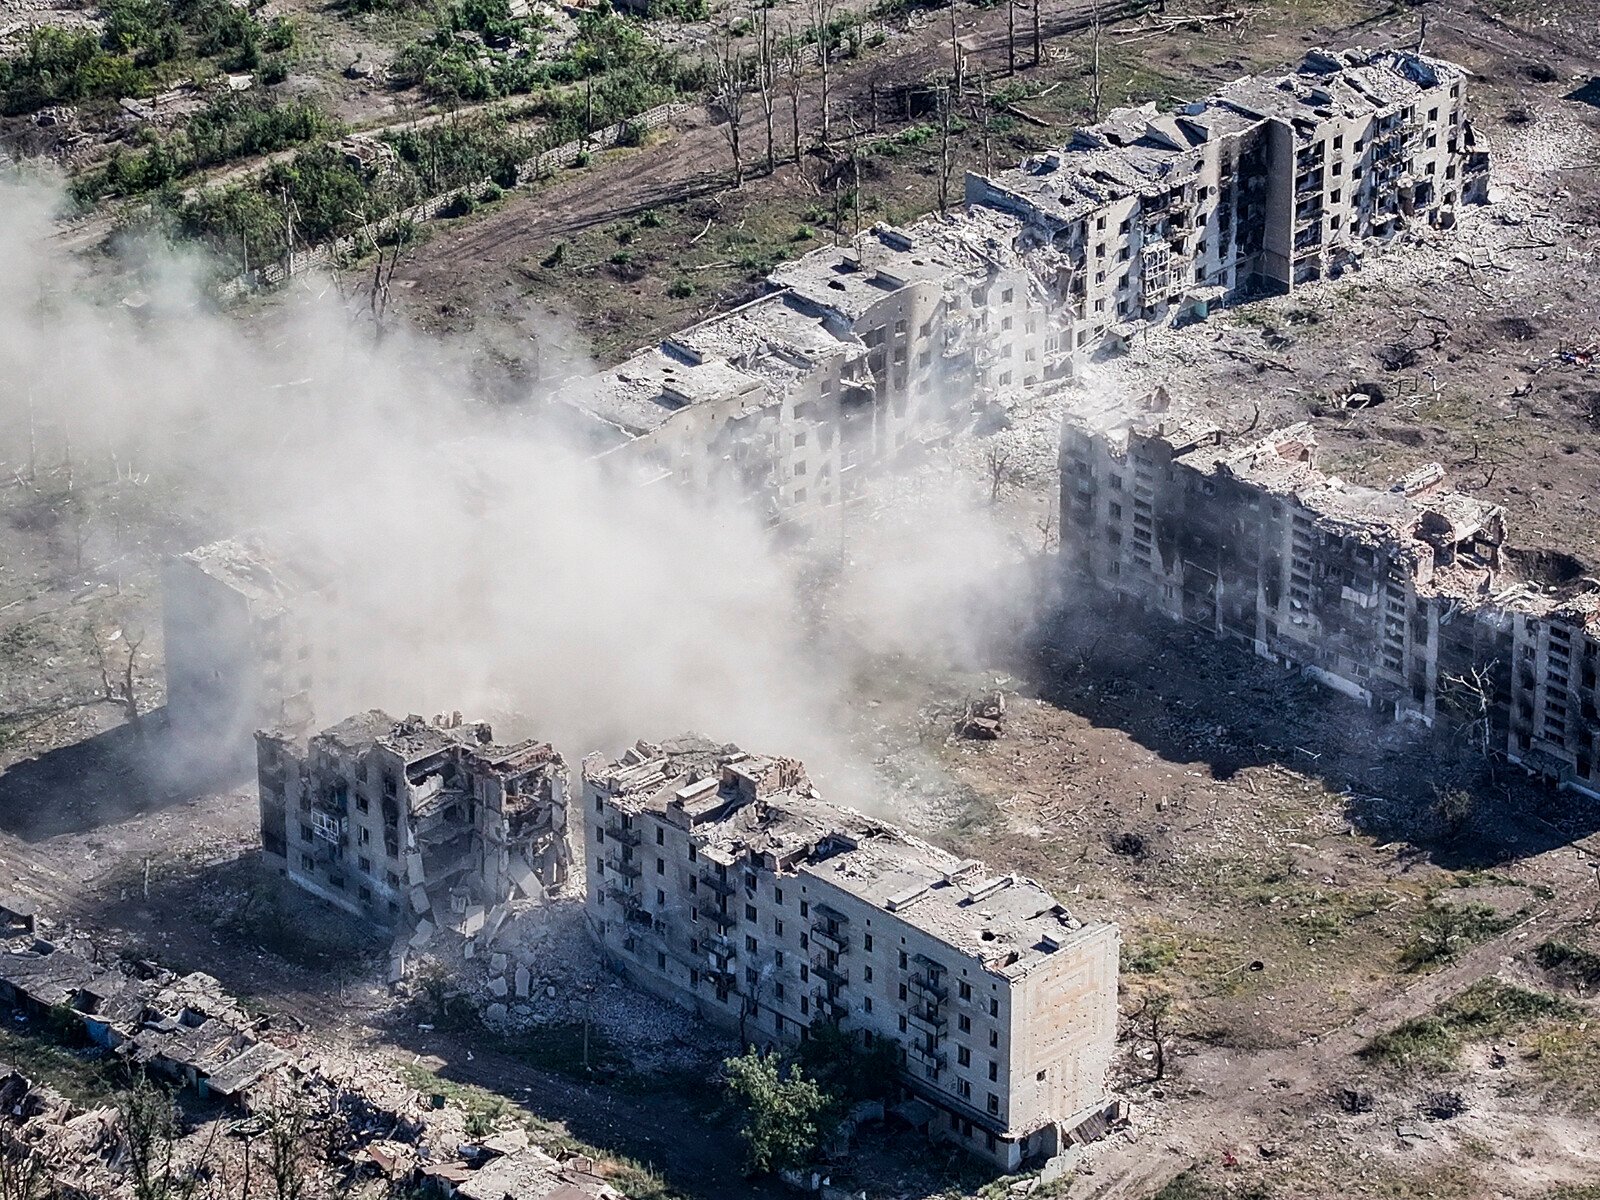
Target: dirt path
x=1238 y=1099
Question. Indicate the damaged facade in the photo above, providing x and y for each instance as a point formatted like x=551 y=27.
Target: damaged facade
x=237 y=654
x=1405 y=599
x=719 y=880
x=859 y=354
x=384 y=817
x=1149 y=218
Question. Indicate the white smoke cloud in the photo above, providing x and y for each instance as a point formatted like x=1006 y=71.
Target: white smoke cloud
x=479 y=562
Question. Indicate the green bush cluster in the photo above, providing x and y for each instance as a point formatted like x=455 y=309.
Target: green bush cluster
x=326 y=195
x=478 y=51
x=232 y=128
x=143 y=43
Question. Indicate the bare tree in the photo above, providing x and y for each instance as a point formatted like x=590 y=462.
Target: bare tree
x=792 y=84
x=944 y=98
x=1038 y=36
x=822 y=13
x=123 y=689
x=1011 y=37
x=766 y=76
x=1046 y=525
x=997 y=459
x=1152 y=1023
x=955 y=47
x=1094 y=82
x=980 y=114
x=24 y=1174
x=151 y=1132
x=726 y=97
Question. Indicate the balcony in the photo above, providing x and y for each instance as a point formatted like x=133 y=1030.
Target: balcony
x=717 y=883
x=624 y=896
x=616 y=832
x=829 y=1007
x=832 y=942
x=721 y=918
x=624 y=867
x=930 y=1023
x=832 y=975
x=931 y=1060
x=931 y=993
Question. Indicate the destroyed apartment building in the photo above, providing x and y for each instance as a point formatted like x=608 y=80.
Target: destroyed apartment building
x=858 y=354
x=1275 y=180
x=1405 y=599
x=400 y=820
x=238 y=656
x=720 y=881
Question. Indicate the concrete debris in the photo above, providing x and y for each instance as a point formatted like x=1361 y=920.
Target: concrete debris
x=984 y=718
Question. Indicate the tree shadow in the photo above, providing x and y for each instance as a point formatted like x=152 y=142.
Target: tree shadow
x=1192 y=699
x=110 y=777
x=1588 y=93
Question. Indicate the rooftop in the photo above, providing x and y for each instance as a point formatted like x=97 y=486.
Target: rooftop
x=1143 y=152
x=750 y=808
x=250 y=567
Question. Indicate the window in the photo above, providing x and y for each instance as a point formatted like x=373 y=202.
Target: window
x=902 y=991
x=805 y=909
x=362 y=804
x=777 y=990
x=994 y=1007
x=392 y=879
x=994 y=1104
x=994 y=1039
x=902 y=1024
x=777 y=895
x=964 y=1023
x=963 y=1056
x=306 y=863
x=867 y=1003
x=902 y=960
x=964 y=990
x=866 y=974
x=365 y=864
x=599 y=802
x=964 y=1089
x=750 y=944
x=749 y=912
x=805 y=972
x=661 y=961
x=1006 y=323
x=778 y=959
x=661 y=866
x=866 y=942
x=661 y=837
x=994 y=1070
x=661 y=898
x=366 y=895
x=305 y=833
x=363 y=837
x=777 y=928
x=1005 y=297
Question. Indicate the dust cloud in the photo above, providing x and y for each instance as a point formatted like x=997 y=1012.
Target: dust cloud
x=477 y=560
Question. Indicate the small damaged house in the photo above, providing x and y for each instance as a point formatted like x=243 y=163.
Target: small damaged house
x=398 y=820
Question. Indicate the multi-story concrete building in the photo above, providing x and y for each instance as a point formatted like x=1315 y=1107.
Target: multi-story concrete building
x=1405 y=599
x=1149 y=218
x=719 y=879
x=859 y=354
x=237 y=654
x=384 y=817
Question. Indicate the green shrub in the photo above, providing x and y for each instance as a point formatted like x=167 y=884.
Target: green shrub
x=1446 y=930
x=680 y=288
x=1488 y=1009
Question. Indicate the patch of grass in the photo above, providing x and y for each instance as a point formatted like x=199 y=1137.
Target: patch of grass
x=1488 y=1009
x=85 y=1075
x=1569 y=1055
x=1446 y=930
x=1149 y=954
